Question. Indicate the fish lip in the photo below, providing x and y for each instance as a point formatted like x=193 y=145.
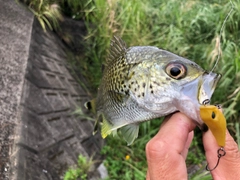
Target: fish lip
x=201 y=88
x=207 y=86
x=192 y=95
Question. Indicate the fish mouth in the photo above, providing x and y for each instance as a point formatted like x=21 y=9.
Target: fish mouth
x=207 y=87
x=201 y=89
x=196 y=93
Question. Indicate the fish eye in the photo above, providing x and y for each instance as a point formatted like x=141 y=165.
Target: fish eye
x=176 y=70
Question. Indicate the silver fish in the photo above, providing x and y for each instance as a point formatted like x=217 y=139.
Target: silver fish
x=141 y=83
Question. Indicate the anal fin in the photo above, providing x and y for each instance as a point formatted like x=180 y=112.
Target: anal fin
x=130 y=133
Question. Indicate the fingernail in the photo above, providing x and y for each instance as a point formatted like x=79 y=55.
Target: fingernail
x=204 y=127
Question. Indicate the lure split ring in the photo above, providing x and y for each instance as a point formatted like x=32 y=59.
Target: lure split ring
x=221 y=152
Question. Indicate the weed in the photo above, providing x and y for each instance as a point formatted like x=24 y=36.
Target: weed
x=47 y=12
x=81 y=171
x=188 y=28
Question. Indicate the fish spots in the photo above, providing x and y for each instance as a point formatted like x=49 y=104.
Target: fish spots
x=143 y=94
x=151 y=86
x=151 y=91
x=157 y=83
x=168 y=79
x=144 y=85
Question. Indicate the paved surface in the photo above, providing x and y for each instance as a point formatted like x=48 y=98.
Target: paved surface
x=40 y=137
x=15 y=36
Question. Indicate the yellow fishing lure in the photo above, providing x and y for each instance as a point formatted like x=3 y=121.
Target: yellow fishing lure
x=216 y=122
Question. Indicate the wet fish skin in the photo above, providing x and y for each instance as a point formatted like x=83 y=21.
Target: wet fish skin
x=142 y=83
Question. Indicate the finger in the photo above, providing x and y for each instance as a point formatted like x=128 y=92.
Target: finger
x=166 y=119
x=229 y=164
x=176 y=130
x=148 y=176
x=187 y=145
x=166 y=148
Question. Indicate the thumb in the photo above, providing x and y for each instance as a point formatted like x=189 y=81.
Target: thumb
x=229 y=165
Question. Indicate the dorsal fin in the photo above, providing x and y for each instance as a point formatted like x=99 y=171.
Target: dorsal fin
x=117 y=48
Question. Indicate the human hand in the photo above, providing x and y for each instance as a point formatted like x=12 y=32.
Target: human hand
x=229 y=165
x=167 y=151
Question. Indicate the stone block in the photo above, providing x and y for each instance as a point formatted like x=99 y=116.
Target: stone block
x=37 y=77
x=36 y=133
x=78 y=129
x=91 y=147
x=31 y=167
x=56 y=101
x=75 y=147
x=38 y=95
x=59 y=128
x=35 y=99
x=54 y=81
x=60 y=158
x=39 y=61
x=87 y=126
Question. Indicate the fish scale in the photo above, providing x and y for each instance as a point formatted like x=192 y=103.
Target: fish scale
x=141 y=83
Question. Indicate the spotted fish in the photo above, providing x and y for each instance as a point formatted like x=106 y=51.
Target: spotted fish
x=141 y=83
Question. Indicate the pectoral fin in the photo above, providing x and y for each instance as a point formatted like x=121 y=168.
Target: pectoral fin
x=106 y=128
x=130 y=133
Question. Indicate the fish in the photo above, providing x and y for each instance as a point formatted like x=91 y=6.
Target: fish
x=141 y=83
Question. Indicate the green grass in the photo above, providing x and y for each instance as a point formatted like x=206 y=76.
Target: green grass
x=187 y=28
x=129 y=163
x=81 y=170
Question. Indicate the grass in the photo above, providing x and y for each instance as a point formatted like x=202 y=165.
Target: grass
x=47 y=12
x=129 y=163
x=189 y=28
x=81 y=170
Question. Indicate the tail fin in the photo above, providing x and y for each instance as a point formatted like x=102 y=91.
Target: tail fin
x=91 y=105
x=106 y=128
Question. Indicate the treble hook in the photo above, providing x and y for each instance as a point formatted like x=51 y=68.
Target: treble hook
x=221 y=152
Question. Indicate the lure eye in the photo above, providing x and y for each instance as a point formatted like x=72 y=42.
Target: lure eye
x=213 y=115
x=176 y=70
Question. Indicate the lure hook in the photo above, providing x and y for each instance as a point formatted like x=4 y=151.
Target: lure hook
x=221 y=152
x=206 y=102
